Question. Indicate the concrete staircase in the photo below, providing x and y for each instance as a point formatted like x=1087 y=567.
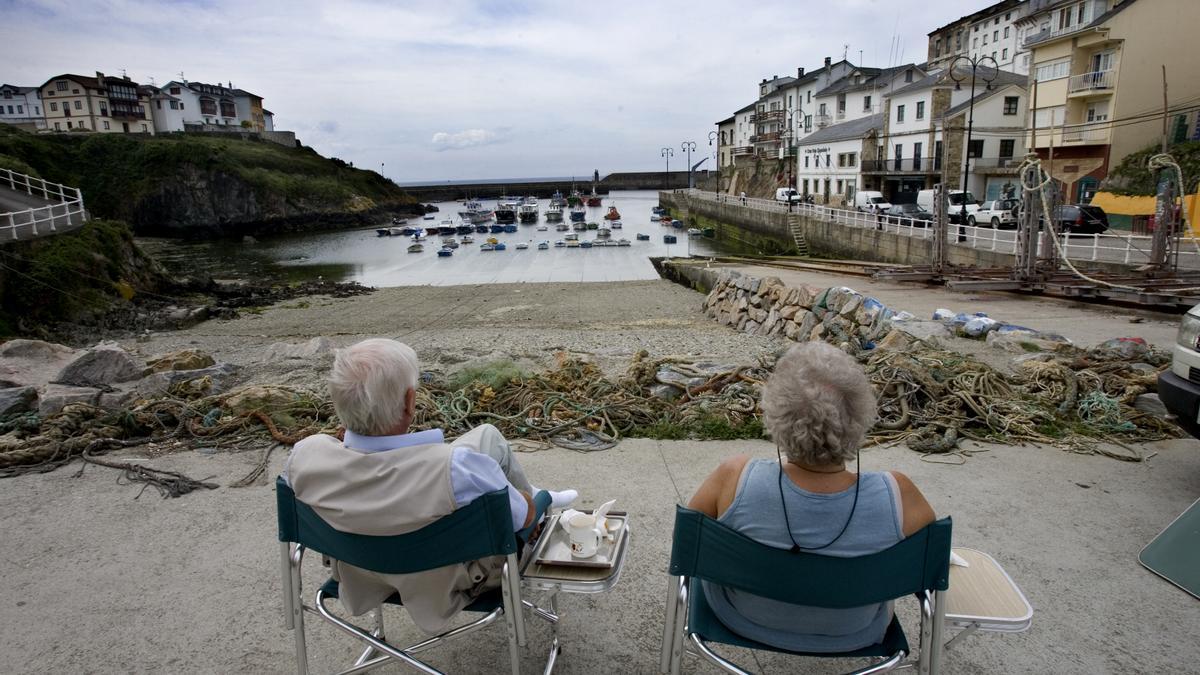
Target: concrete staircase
x=797 y=230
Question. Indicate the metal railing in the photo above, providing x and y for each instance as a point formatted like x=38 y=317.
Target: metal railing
x=769 y=137
x=69 y=204
x=1101 y=79
x=822 y=120
x=767 y=116
x=1110 y=247
x=1057 y=31
x=1085 y=133
x=743 y=150
x=902 y=165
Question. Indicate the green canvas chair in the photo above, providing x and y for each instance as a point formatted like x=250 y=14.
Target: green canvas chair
x=481 y=529
x=703 y=548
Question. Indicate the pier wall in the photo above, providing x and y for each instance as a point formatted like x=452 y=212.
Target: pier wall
x=645 y=180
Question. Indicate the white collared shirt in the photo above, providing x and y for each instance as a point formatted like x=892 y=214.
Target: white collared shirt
x=472 y=474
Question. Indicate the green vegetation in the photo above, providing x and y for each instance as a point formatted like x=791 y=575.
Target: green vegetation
x=116 y=171
x=71 y=276
x=494 y=374
x=1131 y=177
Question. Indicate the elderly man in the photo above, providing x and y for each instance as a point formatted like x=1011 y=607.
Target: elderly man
x=382 y=480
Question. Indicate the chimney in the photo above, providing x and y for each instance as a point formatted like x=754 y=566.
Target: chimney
x=126 y=78
x=828 y=61
x=99 y=76
x=799 y=73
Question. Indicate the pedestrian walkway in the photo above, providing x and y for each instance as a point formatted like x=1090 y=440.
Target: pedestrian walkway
x=31 y=207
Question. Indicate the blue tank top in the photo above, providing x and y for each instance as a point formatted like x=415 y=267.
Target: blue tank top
x=816 y=518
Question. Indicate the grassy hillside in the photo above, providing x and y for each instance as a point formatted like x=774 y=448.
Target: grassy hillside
x=178 y=181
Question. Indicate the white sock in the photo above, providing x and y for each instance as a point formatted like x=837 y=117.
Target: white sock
x=560 y=498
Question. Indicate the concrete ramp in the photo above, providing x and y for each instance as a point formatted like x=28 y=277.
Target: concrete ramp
x=31 y=207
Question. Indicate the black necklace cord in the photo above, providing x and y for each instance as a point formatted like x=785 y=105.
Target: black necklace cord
x=796 y=548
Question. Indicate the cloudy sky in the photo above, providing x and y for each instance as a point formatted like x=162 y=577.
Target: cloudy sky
x=457 y=89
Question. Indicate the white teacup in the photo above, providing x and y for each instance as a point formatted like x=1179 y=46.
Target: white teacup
x=584 y=535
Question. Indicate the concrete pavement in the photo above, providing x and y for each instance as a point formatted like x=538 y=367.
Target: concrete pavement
x=99 y=580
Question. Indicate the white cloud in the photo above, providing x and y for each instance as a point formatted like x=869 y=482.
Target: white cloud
x=467 y=138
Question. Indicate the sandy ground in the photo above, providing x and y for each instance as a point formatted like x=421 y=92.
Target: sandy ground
x=99 y=580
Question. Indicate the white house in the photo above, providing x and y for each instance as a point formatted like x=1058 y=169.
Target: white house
x=211 y=105
x=993 y=31
x=21 y=106
x=829 y=160
x=998 y=143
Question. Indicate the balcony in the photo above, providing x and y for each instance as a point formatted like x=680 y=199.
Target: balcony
x=999 y=164
x=822 y=120
x=906 y=165
x=1057 y=32
x=841 y=115
x=1098 y=82
x=1095 y=133
x=772 y=137
x=769 y=116
x=742 y=150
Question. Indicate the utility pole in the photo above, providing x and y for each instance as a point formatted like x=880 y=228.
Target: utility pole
x=1031 y=206
x=688 y=147
x=1164 y=251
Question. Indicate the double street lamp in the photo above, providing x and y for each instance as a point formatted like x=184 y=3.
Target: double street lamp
x=668 y=153
x=688 y=147
x=987 y=76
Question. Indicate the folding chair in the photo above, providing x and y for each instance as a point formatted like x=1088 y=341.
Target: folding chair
x=481 y=529
x=703 y=548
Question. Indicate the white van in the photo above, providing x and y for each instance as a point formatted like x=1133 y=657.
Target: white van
x=787 y=195
x=1177 y=386
x=959 y=201
x=867 y=200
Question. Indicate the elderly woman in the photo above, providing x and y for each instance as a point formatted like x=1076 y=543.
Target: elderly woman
x=817 y=407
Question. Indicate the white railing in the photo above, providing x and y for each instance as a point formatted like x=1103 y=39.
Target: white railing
x=1093 y=132
x=1110 y=247
x=67 y=206
x=1101 y=79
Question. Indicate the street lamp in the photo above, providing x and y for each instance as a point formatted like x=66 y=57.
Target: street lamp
x=712 y=136
x=668 y=153
x=688 y=147
x=974 y=63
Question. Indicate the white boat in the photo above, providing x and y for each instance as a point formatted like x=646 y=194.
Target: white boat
x=616 y=224
x=693 y=232
x=542 y=228
x=560 y=244
x=543 y=245
x=449 y=242
x=416 y=248
x=487 y=247
x=572 y=237
x=418 y=235
x=475 y=216
x=468 y=239
x=579 y=227
x=522 y=246
x=572 y=243
x=624 y=242
x=603 y=232
x=427 y=216
x=562 y=227
x=528 y=213
x=554 y=214
x=396 y=231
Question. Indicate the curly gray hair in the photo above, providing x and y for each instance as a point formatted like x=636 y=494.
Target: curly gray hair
x=818 y=404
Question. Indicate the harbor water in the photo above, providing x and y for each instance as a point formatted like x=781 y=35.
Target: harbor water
x=363 y=256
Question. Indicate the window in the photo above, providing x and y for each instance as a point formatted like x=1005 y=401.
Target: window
x=82 y=125
x=56 y=127
x=821 y=110
x=1054 y=70
x=1006 y=147
x=1008 y=17
x=789 y=101
x=37 y=110
x=810 y=95
x=1006 y=32
x=808 y=122
x=10 y=110
x=54 y=106
x=985 y=38
x=975 y=149
x=74 y=91
x=61 y=85
x=69 y=125
x=106 y=125
x=937 y=47
x=806 y=161
x=920 y=110
x=839 y=185
x=847 y=159
x=144 y=128
x=866 y=104
x=908 y=75
x=20 y=110
x=78 y=104
x=899 y=113
x=1049 y=116
x=898 y=156
x=1004 y=54
x=974 y=43
x=103 y=109
x=209 y=107
x=995 y=36
x=937 y=155
x=174 y=91
x=158 y=105
x=1010 y=104
x=827 y=159
x=174 y=105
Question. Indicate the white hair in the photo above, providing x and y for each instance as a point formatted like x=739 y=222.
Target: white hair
x=368 y=383
x=818 y=404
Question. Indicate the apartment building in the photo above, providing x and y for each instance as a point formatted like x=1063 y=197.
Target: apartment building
x=181 y=103
x=1097 y=65
x=829 y=160
x=102 y=103
x=725 y=141
x=21 y=106
x=993 y=31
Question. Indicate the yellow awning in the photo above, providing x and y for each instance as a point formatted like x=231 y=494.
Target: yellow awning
x=1144 y=206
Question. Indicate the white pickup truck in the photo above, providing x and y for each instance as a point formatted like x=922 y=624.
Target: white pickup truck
x=999 y=213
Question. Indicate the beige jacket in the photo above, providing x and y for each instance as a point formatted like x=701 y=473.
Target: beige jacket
x=382 y=494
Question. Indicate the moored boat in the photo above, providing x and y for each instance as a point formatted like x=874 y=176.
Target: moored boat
x=572 y=243
x=522 y=246
x=578 y=213
x=543 y=245
x=603 y=232
x=449 y=242
x=616 y=225
x=482 y=229
x=464 y=229
x=493 y=240
x=694 y=232
x=398 y=231
x=500 y=246
x=575 y=199
x=579 y=227
x=677 y=224
x=558 y=200
x=585 y=244
x=416 y=248
x=669 y=239
x=613 y=214
x=383 y=232
x=427 y=216
x=542 y=228
x=593 y=226
x=560 y=244
x=510 y=228
x=593 y=199
x=468 y=239
x=624 y=242
x=399 y=221
x=487 y=247
x=571 y=237
x=475 y=216
x=447 y=230
x=445 y=252
x=506 y=212
x=643 y=237
x=554 y=214
x=528 y=213
x=562 y=227
x=496 y=228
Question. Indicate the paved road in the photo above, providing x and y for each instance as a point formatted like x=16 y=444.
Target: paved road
x=16 y=218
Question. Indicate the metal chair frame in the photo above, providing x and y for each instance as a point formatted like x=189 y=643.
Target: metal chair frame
x=679 y=641
x=379 y=651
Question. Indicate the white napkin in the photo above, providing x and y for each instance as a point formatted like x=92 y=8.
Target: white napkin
x=956 y=559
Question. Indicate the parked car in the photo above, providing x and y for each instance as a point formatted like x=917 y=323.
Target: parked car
x=871 y=201
x=908 y=214
x=1179 y=387
x=960 y=202
x=999 y=213
x=1081 y=219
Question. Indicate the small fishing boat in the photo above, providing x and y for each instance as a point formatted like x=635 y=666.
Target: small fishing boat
x=677 y=224
x=543 y=245
x=427 y=216
x=643 y=237
x=572 y=237
x=593 y=226
x=658 y=211
x=557 y=199
x=562 y=227
x=497 y=228
x=593 y=199
x=624 y=242
x=521 y=246
x=604 y=232
x=493 y=240
x=613 y=214
x=416 y=248
x=585 y=244
x=510 y=228
x=572 y=243
x=383 y=232
x=669 y=239
x=616 y=225
x=575 y=199
x=500 y=246
x=487 y=247
x=445 y=253
x=464 y=229
x=399 y=231
x=579 y=227
x=399 y=221
x=542 y=228
x=528 y=213
x=578 y=214
x=475 y=216
x=506 y=212
x=560 y=244
x=468 y=239
x=450 y=242
x=418 y=234
x=694 y=232
x=481 y=229
x=665 y=220
x=447 y=230
x=554 y=214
